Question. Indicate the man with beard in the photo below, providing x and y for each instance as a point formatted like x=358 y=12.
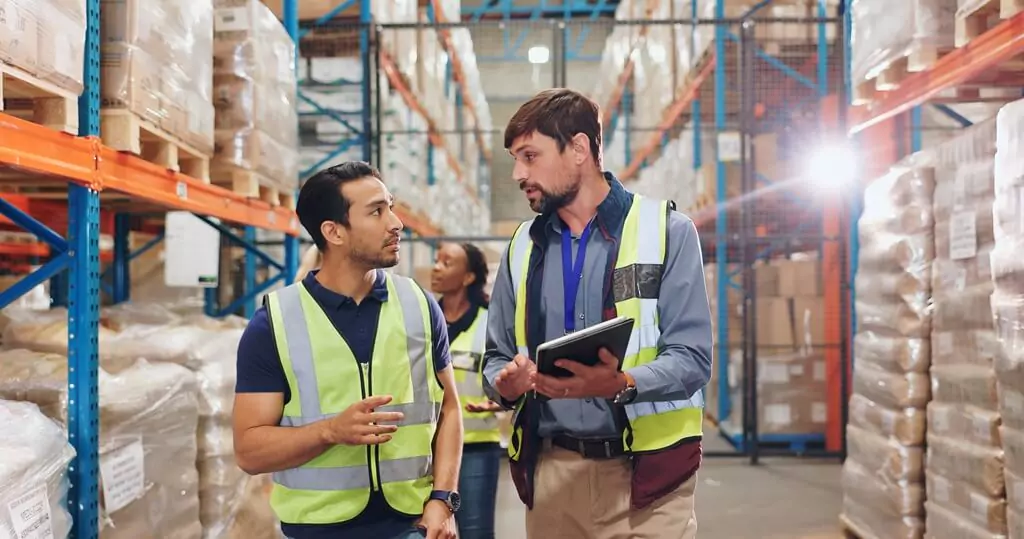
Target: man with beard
x=345 y=390
x=614 y=450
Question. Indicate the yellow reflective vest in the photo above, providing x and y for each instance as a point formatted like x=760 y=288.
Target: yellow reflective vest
x=325 y=378
x=651 y=426
x=467 y=359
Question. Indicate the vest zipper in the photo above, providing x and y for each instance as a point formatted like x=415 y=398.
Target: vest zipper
x=366 y=384
x=375 y=476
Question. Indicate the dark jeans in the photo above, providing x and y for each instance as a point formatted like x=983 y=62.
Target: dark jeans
x=478 y=489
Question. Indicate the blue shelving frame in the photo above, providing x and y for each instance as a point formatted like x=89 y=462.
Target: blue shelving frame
x=724 y=278
x=77 y=282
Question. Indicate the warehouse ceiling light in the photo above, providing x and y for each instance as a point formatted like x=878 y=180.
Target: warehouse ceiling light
x=539 y=54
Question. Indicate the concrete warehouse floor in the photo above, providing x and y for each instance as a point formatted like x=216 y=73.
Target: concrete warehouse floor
x=782 y=498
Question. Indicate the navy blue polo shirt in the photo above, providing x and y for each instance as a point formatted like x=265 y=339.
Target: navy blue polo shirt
x=260 y=371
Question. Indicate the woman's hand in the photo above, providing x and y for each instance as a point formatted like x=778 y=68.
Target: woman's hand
x=488 y=406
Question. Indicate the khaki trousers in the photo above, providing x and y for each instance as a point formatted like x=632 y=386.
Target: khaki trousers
x=577 y=498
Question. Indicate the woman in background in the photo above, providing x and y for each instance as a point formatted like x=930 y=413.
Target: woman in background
x=311 y=260
x=459 y=277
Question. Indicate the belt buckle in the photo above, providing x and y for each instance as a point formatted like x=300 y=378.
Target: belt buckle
x=607 y=449
x=581 y=448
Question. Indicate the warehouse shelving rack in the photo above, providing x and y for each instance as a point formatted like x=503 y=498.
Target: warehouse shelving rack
x=95 y=179
x=726 y=235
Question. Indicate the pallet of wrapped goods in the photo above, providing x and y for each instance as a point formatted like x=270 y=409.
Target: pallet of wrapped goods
x=1008 y=303
x=42 y=57
x=975 y=17
x=965 y=456
x=255 y=88
x=883 y=476
x=891 y=39
x=34 y=456
x=148 y=419
x=156 y=72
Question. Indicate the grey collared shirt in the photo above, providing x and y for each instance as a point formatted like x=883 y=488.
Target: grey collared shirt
x=683 y=365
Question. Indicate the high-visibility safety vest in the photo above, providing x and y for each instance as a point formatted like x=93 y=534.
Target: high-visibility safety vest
x=651 y=426
x=467 y=359
x=325 y=378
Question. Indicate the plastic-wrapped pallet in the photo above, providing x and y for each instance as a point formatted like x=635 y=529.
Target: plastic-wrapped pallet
x=1008 y=303
x=966 y=492
x=34 y=455
x=255 y=88
x=148 y=420
x=45 y=38
x=883 y=476
x=157 y=65
x=905 y=35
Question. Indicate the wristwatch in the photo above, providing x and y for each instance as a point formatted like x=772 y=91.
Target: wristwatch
x=449 y=497
x=628 y=393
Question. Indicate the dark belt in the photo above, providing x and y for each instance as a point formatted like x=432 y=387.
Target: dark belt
x=591 y=449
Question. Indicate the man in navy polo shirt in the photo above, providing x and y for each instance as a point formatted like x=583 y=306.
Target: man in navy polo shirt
x=347 y=211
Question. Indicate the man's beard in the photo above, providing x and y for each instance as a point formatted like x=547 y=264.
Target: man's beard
x=376 y=260
x=550 y=202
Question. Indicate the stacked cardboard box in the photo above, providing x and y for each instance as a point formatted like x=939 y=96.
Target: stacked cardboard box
x=157 y=63
x=254 y=82
x=45 y=38
x=1008 y=303
x=883 y=476
x=966 y=494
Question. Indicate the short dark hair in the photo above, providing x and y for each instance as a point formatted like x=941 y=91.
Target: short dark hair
x=559 y=113
x=477 y=264
x=320 y=198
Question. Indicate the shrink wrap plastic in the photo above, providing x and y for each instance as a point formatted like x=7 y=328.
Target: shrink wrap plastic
x=886 y=32
x=45 y=38
x=148 y=420
x=883 y=477
x=157 y=63
x=255 y=88
x=34 y=456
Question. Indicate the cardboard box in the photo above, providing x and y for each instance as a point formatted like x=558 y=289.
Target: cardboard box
x=798 y=278
x=774 y=323
x=19 y=37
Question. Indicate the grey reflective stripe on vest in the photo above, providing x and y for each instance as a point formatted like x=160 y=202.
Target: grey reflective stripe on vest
x=300 y=349
x=490 y=422
x=518 y=251
x=471 y=386
x=647 y=334
x=421 y=410
x=352 y=477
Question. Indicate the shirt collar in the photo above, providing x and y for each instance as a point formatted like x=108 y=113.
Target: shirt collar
x=334 y=300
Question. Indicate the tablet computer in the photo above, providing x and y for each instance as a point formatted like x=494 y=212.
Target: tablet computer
x=582 y=346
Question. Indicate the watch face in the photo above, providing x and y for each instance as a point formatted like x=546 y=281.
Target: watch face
x=455 y=501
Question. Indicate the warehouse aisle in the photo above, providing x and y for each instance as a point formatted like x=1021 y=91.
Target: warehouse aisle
x=782 y=498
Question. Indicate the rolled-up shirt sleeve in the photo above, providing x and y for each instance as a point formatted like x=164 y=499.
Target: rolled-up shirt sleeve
x=501 y=339
x=683 y=365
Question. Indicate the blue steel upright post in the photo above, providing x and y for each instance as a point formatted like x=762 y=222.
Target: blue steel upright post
x=721 y=230
x=83 y=309
x=291 y=243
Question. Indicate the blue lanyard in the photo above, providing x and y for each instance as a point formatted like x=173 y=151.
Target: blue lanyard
x=572 y=273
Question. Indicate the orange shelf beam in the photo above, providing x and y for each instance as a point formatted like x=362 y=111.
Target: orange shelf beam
x=416 y=221
x=143 y=180
x=669 y=117
x=459 y=75
x=620 y=85
x=84 y=161
x=25 y=249
x=41 y=150
x=998 y=45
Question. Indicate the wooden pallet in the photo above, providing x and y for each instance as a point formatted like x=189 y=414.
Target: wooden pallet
x=921 y=57
x=251 y=184
x=123 y=131
x=980 y=17
x=38 y=101
x=851 y=530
